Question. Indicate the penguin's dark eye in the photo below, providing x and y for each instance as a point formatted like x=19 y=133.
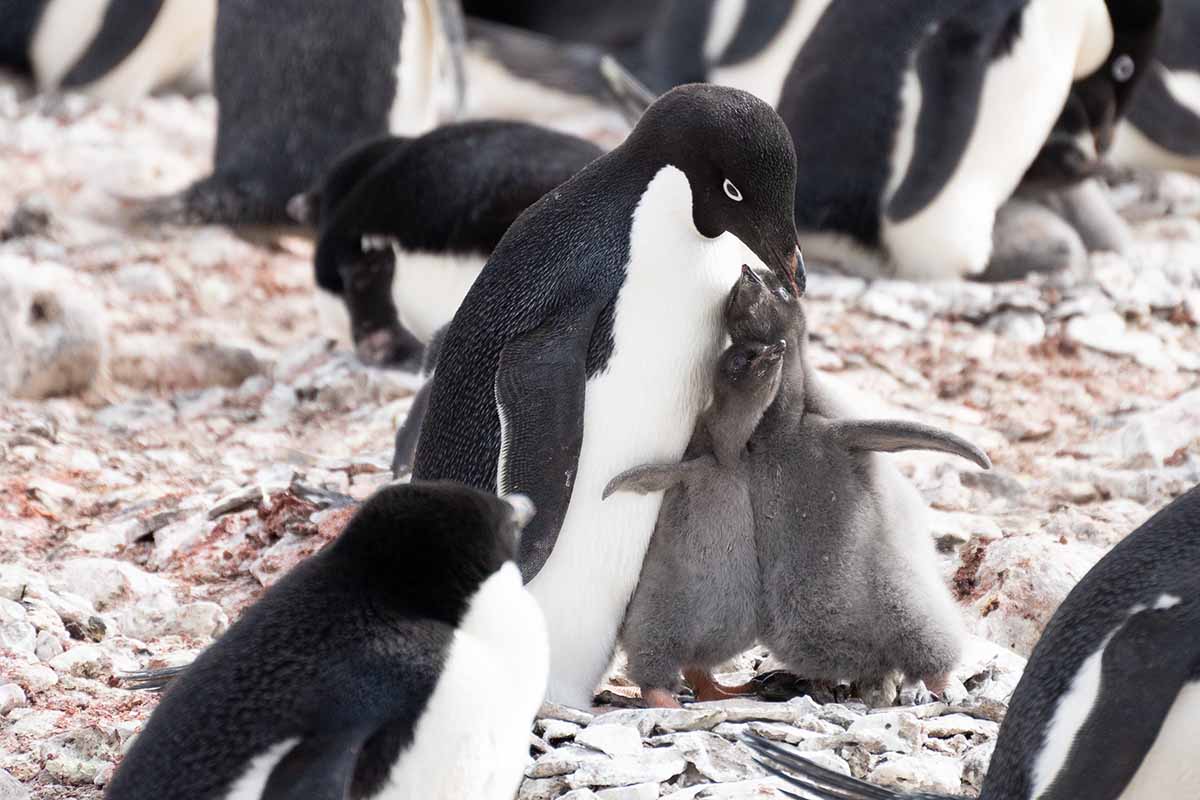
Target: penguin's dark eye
x=1123 y=68
x=732 y=192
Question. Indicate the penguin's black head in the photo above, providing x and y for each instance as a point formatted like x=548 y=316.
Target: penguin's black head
x=1097 y=102
x=740 y=163
x=425 y=548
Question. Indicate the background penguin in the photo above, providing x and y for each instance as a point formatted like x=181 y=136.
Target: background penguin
x=114 y=50
x=849 y=583
x=1162 y=129
x=696 y=603
x=586 y=345
x=408 y=223
x=366 y=671
x=614 y=26
x=297 y=83
x=1109 y=704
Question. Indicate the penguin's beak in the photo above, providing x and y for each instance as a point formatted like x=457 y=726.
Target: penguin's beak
x=751 y=275
x=785 y=260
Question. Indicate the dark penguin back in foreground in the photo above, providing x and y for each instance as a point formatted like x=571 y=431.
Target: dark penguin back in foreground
x=455 y=190
x=296 y=83
x=343 y=653
x=1155 y=111
x=1162 y=557
x=18 y=23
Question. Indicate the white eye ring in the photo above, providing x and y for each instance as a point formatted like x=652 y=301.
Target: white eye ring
x=731 y=191
x=1123 y=68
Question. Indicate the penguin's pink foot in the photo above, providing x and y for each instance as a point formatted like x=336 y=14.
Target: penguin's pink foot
x=659 y=698
x=937 y=683
x=706 y=688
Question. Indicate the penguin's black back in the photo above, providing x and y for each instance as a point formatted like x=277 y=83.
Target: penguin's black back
x=363 y=624
x=297 y=83
x=844 y=124
x=455 y=190
x=1160 y=557
x=1154 y=110
x=18 y=23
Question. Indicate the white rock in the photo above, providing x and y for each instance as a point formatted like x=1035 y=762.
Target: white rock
x=1107 y=332
x=1024 y=327
x=715 y=758
x=11 y=788
x=103 y=581
x=668 y=720
x=563 y=761
x=656 y=764
x=48 y=645
x=960 y=724
x=543 y=788
x=761 y=789
x=36 y=723
x=11 y=696
x=12 y=611
x=615 y=740
x=83 y=661
x=1146 y=440
x=565 y=714
x=15 y=581
x=20 y=637
x=582 y=794
x=642 y=791
x=902 y=725
x=145 y=281
x=925 y=772
x=1020 y=583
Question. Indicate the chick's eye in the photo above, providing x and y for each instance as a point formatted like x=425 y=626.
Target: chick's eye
x=1123 y=68
x=732 y=192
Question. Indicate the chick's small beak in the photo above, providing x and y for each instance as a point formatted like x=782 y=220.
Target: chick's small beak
x=751 y=275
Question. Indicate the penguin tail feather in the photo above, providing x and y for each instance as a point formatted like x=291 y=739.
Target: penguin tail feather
x=814 y=782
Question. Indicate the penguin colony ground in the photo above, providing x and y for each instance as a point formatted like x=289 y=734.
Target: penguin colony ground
x=617 y=385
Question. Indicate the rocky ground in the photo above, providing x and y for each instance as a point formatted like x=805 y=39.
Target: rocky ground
x=140 y=516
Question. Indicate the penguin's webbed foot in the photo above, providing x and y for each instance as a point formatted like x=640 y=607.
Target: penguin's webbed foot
x=392 y=347
x=706 y=688
x=659 y=698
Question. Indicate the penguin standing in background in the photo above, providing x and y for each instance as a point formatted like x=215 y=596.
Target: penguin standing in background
x=113 y=50
x=1109 y=705
x=1162 y=129
x=368 y=671
x=405 y=225
x=297 y=83
x=586 y=347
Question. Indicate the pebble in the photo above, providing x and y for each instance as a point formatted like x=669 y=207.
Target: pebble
x=11 y=696
x=83 y=661
x=614 y=740
x=926 y=772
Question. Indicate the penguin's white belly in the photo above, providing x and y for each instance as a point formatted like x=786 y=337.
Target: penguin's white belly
x=1133 y=148
x=472 y=740
x=667 y=332
x=765 y=73
x=415 y=108
x=253 y=780
x=428 y=288
x=63 y=34
x=1171 y=768
x=952 y=236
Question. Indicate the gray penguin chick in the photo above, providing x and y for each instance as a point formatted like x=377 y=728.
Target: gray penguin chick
x=850 y=589
x=696 y=601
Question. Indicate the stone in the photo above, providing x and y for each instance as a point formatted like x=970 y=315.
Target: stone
x=761 y=789
x=584 y=794
x=543 y=789
x=83 y=661
x=641 y=791
x=20 y=637
x=614 y=740
x=1107 y=332
x=1021 y=581
x=925 y=772
x=1024 y=327
x=1148 y=439
x=16 y=581
x=145 y=281
x=136 y=415
x=555 y=730
x=975 y=763
x=79 y=756
x=104 y=581
x=960 y=724
x=744 y=710
x=666 y=720
x=654 y=764
x=713 y=757
x=11 y=788
x=563 y=761
x=36 y=723
x=12 y=696
x=48 y=646
x=52 y=332
x=902 y=725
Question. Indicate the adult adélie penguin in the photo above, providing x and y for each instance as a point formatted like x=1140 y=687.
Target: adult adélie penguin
x=1109 y=705
x=586 y=347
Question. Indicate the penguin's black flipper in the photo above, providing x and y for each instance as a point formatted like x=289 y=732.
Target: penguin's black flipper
x=540 y=386
x=317 y=768
x=631 y=95
x=893 y=436
x=817 y=782
x=655 y=477
x=951 y=65
x=1142 y=671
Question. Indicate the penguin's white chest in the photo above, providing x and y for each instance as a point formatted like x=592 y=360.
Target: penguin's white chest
x=1170 y=769
x=472 y=740
x=667 y=332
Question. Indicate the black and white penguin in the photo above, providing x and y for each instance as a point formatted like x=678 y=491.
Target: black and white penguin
x=114 y=50
x=368 y=671
x=1109 y=705
x=614 y=26
x=1162 y=129
x=406 y=224
x=586 y=347
x=297 y=83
